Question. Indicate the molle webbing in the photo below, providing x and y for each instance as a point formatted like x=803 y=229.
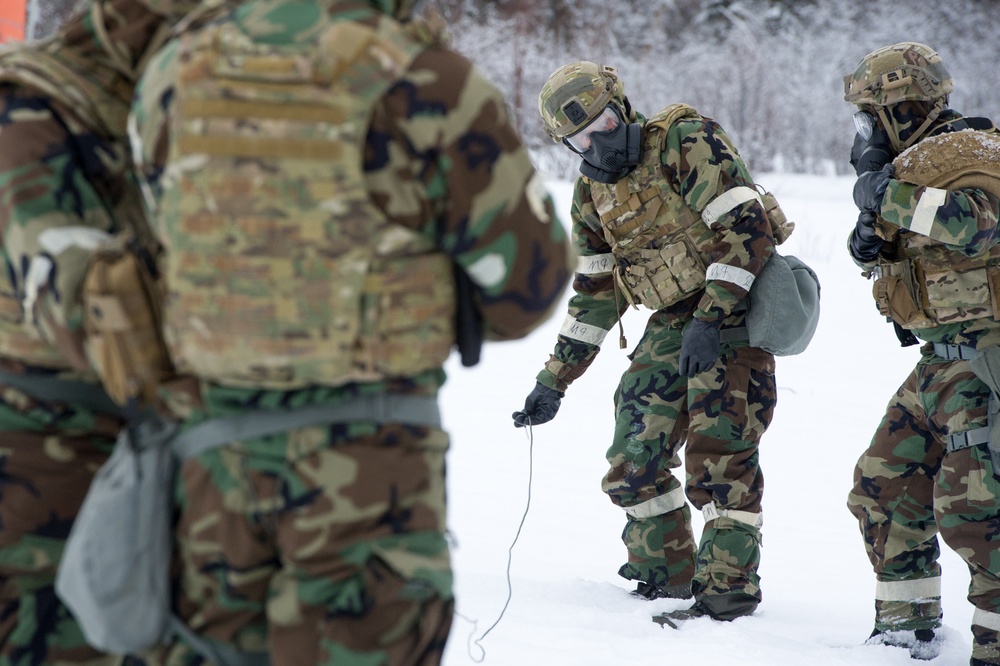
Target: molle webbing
x=317 y=285
x=633 y=203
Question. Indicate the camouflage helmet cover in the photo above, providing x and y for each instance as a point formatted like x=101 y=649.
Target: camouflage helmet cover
x=575 y=94
x=902 y=72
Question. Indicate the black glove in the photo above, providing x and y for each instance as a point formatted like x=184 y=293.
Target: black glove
x=864 y=242
x=540 y=406
x=699 y=347
x=870 y=188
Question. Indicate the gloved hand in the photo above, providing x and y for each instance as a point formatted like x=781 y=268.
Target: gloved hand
x=699 y=347
x=540 y=406
x=864 y=242
x=870 y=188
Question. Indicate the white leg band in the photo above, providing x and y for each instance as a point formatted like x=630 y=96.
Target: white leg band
x=711 y=512
x=658 y=505
x=986 y=619
x=577 y=330
x=908 y=590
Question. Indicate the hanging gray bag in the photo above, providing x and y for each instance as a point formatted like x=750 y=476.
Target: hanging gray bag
x=783 y=309
x=115 y=572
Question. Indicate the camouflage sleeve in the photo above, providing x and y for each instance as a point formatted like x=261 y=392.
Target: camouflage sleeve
x=594 y=308
x=56 y=178
x=964 y=220
x=708 y=172
x=442 y=148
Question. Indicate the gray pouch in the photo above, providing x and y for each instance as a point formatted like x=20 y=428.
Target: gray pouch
x=986 y=365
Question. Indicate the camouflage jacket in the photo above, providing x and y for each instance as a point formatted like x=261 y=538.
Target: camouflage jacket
x=945 y=246
x=441 y=159
x=698 y=161
x=65 y=176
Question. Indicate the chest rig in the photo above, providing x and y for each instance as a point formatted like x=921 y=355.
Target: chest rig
x=660 y=245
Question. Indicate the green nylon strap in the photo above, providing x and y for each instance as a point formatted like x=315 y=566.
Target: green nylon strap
x=215 y=651
x=49 y=388
x=419 y=410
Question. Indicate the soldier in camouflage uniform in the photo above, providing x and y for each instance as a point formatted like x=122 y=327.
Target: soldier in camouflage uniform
x=928 y=235
x=666 y=215
x=64 y=184
x=316 y=171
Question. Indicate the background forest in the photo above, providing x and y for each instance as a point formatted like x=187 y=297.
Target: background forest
x=769 y=70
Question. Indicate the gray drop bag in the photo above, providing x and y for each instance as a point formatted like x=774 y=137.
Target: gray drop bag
x=783 y=309
x=115 y=571
x=986 y=365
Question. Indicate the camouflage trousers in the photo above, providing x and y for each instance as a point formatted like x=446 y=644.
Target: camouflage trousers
x=907 y=489
x=48 y=456
x=322 y=545
x=721 y=414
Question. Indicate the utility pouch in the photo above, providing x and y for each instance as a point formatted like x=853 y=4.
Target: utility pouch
x=894 y=293
x=658 y=277
x=986 y=365
x=781 y=226
x=122 y=314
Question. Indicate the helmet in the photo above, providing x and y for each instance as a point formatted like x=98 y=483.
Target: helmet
x=575 y=94
x=903 y=72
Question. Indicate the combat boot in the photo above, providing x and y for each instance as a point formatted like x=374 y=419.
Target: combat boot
x=923 y=644
x=649 y=591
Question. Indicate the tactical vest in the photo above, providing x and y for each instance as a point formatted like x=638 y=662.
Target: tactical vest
x=660 y=244
x=280 y=270
x=927 y=284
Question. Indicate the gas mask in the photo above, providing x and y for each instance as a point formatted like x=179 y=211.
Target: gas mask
x=872 y=149
x=609 y=146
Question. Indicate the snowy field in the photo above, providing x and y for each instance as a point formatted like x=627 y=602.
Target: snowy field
x=569 y=607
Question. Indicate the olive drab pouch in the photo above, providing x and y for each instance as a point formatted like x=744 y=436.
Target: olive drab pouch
x=986 y=365
x=122 y=302
x=781 y=226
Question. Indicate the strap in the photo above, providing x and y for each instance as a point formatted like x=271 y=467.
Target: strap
x=50 y=388
x=215 y=651
x=963 y=440
x=908 y=590
x=419 y=410
x=734 y=334
x=711 y=512
x=657 y=506
x=954 y=352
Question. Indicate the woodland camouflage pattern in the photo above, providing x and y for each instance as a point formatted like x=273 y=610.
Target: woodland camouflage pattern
x=354 y=511
x=721 y=414
x=63 y=163
x=941 y=224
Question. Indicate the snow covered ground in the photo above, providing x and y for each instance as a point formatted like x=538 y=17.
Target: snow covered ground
x=569 y=607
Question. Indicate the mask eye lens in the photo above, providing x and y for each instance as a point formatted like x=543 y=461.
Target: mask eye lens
x=864 y=123
x=607 y=121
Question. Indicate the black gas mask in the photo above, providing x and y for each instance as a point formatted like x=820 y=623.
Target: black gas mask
x=872 y=149
x=609 y=146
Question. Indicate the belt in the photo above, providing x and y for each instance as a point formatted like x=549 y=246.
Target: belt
x=954 y=352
